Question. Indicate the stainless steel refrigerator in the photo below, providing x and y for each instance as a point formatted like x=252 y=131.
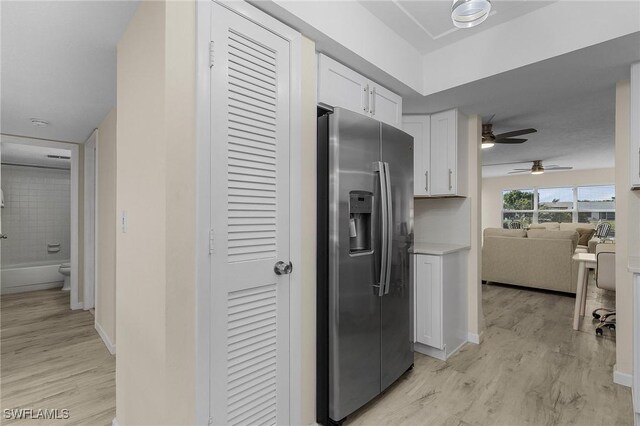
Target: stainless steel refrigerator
x=365 y=230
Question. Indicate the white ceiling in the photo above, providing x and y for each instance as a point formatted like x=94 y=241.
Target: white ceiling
x=427 y=25
x=14 y=153
x=59 y=65
x=570 y=99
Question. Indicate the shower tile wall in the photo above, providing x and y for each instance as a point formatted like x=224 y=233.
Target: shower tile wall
x=36 y=213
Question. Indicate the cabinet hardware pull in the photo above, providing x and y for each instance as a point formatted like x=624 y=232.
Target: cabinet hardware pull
x=366 y=97
x=450 y=184
x=426 y=181
x=373 y=101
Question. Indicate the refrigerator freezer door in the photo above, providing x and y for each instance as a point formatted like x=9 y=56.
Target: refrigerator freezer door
x=396 y=352
x=354 y=308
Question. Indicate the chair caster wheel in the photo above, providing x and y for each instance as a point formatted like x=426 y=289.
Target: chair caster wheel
x=598 y=332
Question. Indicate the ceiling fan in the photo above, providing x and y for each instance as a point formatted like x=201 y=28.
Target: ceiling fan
x=538 y=168
x=489 y=139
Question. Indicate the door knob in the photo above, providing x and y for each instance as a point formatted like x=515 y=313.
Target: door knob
x=3 y=236
x=282 y=268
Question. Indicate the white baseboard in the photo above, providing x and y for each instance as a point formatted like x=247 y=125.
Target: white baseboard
x=76 y=306
x=475 y=338
x=111 y=347
x=115 y=422
x=623 y=379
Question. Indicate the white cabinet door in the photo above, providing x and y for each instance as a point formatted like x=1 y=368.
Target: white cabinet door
x=339 y=86
x=385 y=105
x=635 y=125
x=418 y=126
x=444 y=158
x=250 y=128
x=428 y=300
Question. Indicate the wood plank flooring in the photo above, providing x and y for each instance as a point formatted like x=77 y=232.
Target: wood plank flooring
x=52 y=358
x=531 y=369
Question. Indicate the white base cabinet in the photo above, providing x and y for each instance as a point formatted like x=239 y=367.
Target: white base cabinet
x=340 y=86
x=440 y=303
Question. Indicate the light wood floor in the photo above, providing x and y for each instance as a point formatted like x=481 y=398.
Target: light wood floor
x=52 y=357
x=531 y=368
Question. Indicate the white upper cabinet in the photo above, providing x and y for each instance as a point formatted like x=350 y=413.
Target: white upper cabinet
x=635 y=126
x=419 y=127
x=340 y=86
x=440 y=149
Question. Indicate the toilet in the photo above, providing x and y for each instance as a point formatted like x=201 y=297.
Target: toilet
x=65 y=269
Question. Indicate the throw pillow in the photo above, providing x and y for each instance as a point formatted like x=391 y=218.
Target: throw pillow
x=585 y=235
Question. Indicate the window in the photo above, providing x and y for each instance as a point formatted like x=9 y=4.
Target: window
x=555 y=205
x=583 y=204
x=597 y=204
x=517 y=206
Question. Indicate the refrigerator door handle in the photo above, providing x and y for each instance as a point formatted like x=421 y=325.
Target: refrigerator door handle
x=389 y=229
x=380 y=168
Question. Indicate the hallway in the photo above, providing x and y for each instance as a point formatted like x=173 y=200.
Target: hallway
x=52 y=358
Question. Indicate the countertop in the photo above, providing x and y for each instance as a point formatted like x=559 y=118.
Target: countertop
x=437 y=249
x=634 y=264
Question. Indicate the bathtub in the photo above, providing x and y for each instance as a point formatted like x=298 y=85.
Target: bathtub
x=30 y=277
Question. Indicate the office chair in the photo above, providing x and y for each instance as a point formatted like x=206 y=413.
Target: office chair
x=605 y=279
x=602 y=230
x=515 y=225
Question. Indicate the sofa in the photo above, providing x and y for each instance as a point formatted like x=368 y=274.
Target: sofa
x=537 y=258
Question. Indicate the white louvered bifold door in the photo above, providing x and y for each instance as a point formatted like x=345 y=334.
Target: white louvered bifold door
x=250 y=219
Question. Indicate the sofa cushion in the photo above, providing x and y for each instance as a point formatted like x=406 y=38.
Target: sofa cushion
x=584 y=235
x=575 y=226
x=499 y=232
x=554 y=235
x=549 y=226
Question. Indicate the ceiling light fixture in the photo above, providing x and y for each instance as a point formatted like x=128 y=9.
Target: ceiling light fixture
x=487 y=144
x=469 y=13
x=39 y=123
x=537 y=168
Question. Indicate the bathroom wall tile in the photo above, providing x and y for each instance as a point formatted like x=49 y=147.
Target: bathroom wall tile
x=36 y=213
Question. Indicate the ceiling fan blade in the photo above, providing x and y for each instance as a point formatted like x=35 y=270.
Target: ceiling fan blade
x=519 y=171
x=515 y=133
x=510 y=140
x=558 y=168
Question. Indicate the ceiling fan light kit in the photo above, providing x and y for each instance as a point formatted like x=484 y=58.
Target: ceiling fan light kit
x=537 y=168
x=489 y=139
x=469 y=13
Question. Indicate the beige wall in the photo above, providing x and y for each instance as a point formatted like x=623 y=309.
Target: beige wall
x=309 y=170
x=80 y=224
x=627 y=232
x=106 y=227
x=492 y=188
x=475 y=317
x=155 y=258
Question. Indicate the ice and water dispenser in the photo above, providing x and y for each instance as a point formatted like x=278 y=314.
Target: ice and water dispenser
x=360 y=207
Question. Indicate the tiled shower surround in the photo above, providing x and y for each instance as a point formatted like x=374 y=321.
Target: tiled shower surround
x=36 y=213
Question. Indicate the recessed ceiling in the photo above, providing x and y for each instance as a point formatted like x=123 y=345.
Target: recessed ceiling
x=570 y=99
x=13 y=153
x=427 y=25
x=59 y=65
